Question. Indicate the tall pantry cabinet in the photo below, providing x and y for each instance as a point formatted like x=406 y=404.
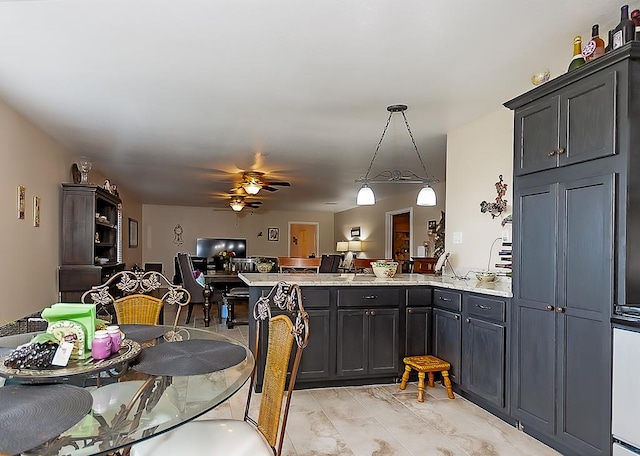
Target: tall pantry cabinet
x=576 y=246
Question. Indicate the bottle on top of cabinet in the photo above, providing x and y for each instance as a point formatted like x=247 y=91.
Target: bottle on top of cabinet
x=578 y=60
x=625 y=30
x=635 y=18
x=595 y=46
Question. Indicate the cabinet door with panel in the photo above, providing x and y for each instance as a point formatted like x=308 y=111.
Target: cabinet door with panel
x=352 y=357
x=447 y=342
x=418 y=331
x=573 y=126
x=383 y=341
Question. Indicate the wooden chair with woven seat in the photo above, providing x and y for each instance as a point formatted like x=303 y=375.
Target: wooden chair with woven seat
x=136 y=305
x=265 y=435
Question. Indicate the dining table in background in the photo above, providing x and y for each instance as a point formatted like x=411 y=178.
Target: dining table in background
x=138 y=406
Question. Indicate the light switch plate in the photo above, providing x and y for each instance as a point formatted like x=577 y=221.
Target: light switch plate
x=457 y=237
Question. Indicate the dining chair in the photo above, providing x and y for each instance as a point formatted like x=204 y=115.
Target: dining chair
x=200 y=294
x=265 y=435
x=135 y=304
x=329 y=264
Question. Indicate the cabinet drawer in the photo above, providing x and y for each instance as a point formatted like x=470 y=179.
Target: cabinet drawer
x=315 y=298
x=450 y=300
x=367 y=297
x=485 y=308
x=419 y=296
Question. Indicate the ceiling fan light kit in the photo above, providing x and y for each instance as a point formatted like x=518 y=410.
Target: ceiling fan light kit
x=426 y=196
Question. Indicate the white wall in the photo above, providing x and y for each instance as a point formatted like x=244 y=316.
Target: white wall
x=30 y=255
x=158 y=223
x=477 y=153
x=371 y=219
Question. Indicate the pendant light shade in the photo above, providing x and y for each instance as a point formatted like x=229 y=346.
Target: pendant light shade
x=365 y=196
x=252 y=188
x=426 y=197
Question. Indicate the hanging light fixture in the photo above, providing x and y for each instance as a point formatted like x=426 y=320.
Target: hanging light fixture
x=426 y=196
x=237 y=204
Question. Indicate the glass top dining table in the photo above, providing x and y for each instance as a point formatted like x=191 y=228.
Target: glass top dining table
x=137 y=406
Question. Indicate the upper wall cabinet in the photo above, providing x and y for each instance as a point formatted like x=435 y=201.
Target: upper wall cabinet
x=571 y=127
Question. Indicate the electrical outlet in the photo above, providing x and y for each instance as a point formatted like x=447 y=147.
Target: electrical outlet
x=506 y=236
x=457 y=237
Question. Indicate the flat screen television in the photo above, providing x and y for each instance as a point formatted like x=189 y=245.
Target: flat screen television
x=209 y=248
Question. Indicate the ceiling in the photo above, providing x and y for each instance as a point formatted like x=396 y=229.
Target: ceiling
x=173 y=98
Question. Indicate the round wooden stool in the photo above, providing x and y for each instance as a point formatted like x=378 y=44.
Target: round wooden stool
x=426 y=364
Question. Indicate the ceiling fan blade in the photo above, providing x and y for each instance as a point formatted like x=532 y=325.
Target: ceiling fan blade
x=269 y=189
x=281 y=184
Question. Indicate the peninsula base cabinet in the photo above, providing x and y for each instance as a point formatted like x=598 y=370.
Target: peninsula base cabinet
x=368 y=342
x=470 y=332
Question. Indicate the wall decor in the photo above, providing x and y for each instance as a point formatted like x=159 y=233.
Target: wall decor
x=273 y=234
x=177 y=235
x=431 y=226
x=36 y=211
x=21 y=195
x=355 y=231
x=496 y=208
x=133 y=233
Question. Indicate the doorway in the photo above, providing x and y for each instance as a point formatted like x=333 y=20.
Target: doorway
x=399 y=241
x=303 y=239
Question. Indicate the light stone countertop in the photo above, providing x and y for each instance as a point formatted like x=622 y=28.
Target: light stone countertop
x=501 y=287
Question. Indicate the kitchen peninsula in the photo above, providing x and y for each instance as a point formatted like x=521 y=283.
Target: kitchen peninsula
x=362 y=326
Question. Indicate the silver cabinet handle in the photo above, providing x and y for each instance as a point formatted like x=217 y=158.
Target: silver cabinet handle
x=468 y=320
x=560 y=310
x=457 y=317
x=483 y=307
x=444 y=299
x=551 y=308
x=373 y=312
x=369 y=297
x=410 y=310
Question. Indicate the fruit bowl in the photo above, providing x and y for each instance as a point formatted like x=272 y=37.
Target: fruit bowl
x=384 y=269
x=264 y=267
x=485 y=276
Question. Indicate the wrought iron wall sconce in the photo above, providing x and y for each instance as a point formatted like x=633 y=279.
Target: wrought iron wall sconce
x=496 y=208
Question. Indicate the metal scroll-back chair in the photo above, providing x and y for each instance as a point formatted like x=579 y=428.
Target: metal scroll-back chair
x=136 y=305
x=265 y=435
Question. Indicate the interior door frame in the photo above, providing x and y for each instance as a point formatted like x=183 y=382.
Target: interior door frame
x=388 y=231
x=316 y=224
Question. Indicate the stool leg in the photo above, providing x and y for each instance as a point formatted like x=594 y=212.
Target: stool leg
x=447 y=384
x=420 y=386
x=431 y=379
x=405 y=377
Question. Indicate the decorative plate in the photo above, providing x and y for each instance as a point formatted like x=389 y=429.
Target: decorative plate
x=69 y=331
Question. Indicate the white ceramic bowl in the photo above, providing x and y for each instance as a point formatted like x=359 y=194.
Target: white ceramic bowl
x=103 y=260
x=486 y=276
x=384 y=269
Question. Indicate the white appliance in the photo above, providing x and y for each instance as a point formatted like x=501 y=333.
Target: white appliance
x=625 y=426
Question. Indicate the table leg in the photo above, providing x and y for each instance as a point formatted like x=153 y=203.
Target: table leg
x=206 y=306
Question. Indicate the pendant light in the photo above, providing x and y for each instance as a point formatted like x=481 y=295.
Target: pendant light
x=426 y=196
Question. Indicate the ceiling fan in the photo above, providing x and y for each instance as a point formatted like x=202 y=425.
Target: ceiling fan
x=239 y=202
x=253 y=182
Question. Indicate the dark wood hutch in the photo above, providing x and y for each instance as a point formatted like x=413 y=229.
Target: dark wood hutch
x=89 y=231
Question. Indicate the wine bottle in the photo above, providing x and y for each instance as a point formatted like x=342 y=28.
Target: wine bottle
x=609 y=42
x=625 y=30
x=595 y=46
x=635 y=18
x=578 y=60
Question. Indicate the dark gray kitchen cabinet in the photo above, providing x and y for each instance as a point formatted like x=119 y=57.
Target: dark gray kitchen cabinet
x=576 y=237
x=315 y=363
x=484 y=347
x=447 y=340
x=418 y=316
x=567 y=127
x=368 y=342
x=418 y=331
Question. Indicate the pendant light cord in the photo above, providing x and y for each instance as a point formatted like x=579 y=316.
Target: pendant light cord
x=415 y=146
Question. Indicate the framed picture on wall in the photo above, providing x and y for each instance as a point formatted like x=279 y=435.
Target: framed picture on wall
x=133 y=233
x=273 y=234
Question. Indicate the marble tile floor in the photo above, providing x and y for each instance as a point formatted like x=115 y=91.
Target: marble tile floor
x=381 y=420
